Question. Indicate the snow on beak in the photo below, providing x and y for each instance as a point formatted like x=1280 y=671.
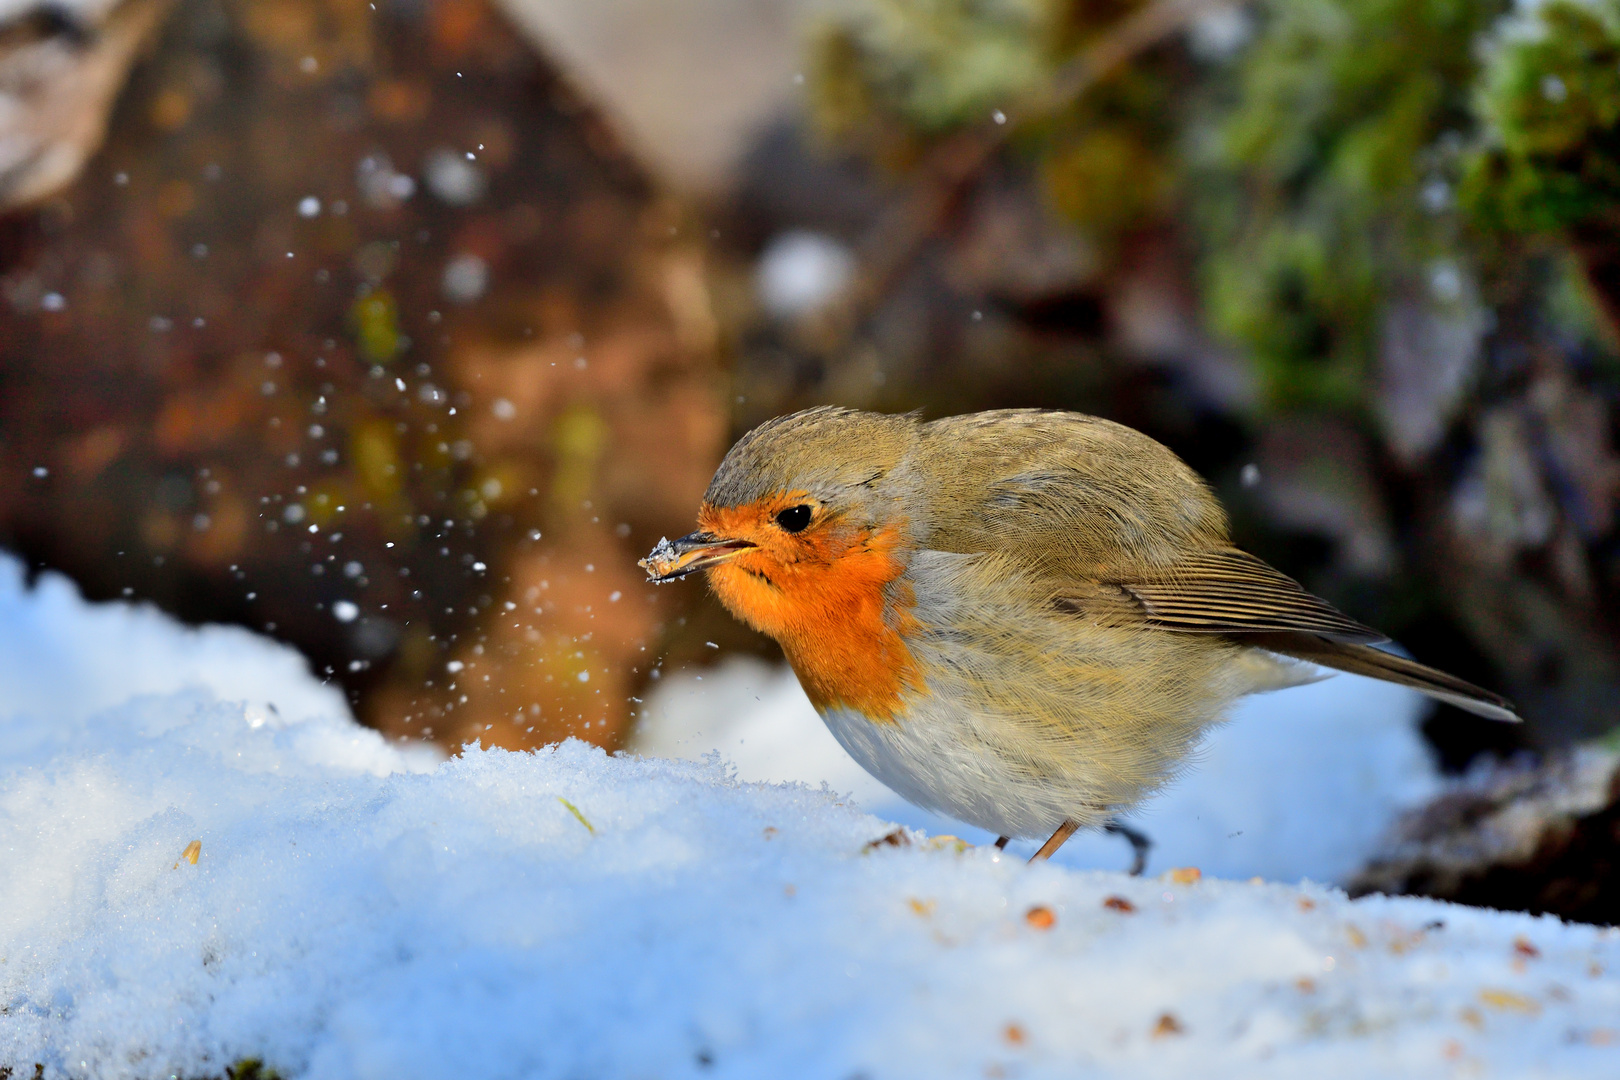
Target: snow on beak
x=674 y=559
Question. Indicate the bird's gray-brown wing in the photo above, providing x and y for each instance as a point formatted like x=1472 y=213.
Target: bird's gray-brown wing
x=1228 y=591
x=1233 y=594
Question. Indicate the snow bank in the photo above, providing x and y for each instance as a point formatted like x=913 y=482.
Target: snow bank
x=1302 y=783
x=570 y=914
x=62 y=660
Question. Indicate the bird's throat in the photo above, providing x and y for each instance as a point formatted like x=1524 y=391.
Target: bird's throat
x=842 y=622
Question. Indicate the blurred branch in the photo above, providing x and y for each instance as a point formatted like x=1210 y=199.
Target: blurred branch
x=1139 y=31
x=950 y=169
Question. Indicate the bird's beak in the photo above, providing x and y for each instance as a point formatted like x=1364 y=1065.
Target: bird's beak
x=673 y=559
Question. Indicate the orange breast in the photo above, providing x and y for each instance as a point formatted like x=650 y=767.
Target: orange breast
x=836 y=616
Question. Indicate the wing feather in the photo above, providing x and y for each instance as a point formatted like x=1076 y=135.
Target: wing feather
x=1228 y=591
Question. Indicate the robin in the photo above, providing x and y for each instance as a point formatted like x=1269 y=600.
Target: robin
x=1021 y=619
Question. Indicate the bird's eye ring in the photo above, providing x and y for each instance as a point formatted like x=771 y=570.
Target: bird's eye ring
x=794 y=518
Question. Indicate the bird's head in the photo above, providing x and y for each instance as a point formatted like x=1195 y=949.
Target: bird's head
x=803 y=519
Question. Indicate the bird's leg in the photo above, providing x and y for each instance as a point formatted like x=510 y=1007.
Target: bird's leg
x=1001 y=842
x=1140 y=845
x=1055 y=841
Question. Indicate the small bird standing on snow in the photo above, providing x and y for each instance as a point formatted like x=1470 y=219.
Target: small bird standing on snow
x=1021 y=619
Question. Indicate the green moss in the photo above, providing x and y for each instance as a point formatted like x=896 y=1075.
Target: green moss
x=1348 y=151
x=901 y=74
x=932 y=65
x=1551 y=98
x=1326 y=183
x=1106 y=176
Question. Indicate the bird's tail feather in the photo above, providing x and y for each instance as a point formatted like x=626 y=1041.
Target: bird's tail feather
x=1376 y=664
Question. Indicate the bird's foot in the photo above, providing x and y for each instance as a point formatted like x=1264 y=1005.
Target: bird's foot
x=1057 y=839
x=1140 y=845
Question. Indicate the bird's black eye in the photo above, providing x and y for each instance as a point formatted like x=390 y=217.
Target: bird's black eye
x=794 y=518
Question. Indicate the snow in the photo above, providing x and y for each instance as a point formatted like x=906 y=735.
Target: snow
x=63 y=661
x=800 y=272
x=357 y=910
x=1302 y=783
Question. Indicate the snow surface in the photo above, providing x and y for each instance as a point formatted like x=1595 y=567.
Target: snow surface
x=63 y=661
x=1302 y=783
x=571 y=914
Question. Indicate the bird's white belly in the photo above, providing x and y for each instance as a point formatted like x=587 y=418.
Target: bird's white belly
x=945 y=759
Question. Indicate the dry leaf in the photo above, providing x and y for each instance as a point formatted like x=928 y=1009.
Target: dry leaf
x=947 y=841
x=1506 y=999
x=191 y=854
x=897 y=838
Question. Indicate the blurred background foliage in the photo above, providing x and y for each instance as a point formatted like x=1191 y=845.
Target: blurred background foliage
x=456 y=293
